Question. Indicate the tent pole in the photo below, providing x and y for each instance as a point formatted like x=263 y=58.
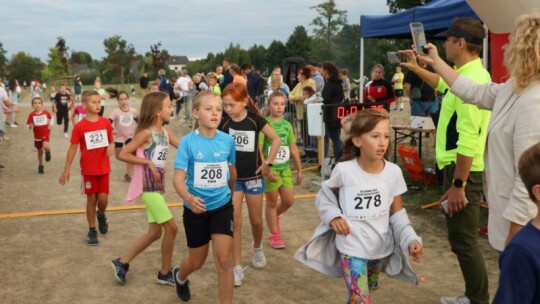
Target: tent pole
x=360 y=84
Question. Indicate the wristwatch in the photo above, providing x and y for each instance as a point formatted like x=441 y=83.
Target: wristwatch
x=268 y=164
x=458 y=183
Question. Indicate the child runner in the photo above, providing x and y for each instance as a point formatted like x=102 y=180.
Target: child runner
x=370 y=191
x=153 y=87
x=102 y=96
x=61 y=105
x=244 y=122
x=40 y=122
x=94 y=134
x=123 y=120
x=283 y=187
x=78 y=114
x=148 y=151
x=204 y=177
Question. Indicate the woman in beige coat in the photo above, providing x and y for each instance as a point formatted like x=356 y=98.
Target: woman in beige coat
x=514 y=125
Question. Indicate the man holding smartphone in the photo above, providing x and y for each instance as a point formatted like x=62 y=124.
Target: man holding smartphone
x=461 y=138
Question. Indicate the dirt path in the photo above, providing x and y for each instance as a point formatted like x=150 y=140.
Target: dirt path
x=46 y=260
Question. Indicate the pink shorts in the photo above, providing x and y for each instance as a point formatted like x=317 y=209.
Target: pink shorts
x=95 y=184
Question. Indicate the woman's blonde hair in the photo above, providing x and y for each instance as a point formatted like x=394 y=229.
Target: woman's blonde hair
x=364 y=121
x=522 y=54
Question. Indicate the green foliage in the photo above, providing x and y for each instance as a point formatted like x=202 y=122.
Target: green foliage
x=299 y=43
x=89 y=76
x=3 y=60
x=54 y=68
x=158 y=56
x=257 y=54
x=81 y=58
x=120 y=57
x=326 y=26
x=23 y=66
x=348 y=49
x=236 y=54
x=275 y=54
x=395 y=6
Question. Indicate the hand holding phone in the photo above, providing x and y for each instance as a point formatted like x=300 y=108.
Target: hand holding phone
x=419 y=37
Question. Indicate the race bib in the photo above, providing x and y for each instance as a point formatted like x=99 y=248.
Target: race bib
x=159 y=156
x=96 y=139
x=126 y=121
x=39 y=120
x=283 y=155
x=243 y=140
x=210 y=175
x=365 y=203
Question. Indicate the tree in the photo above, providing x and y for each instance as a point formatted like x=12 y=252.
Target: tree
x=3 y=60
x=81 y=58
x=23 y=67
x=257 y=54
x=159 y=56
x=299 y=43
x=327 y=25
x=275 y=54
x=237 y=54
x=120 y=57
x=54 y=68
x=395 y=6
x=62 y=52
x=348 y=48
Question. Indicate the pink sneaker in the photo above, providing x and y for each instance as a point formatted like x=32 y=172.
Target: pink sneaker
x=276 y=242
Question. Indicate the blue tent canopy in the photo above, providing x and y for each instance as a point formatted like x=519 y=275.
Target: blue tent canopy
x=436 y=17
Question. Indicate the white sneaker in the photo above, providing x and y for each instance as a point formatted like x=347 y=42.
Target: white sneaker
x=13 y=125
x=66 y=135
x=458 y=300
x=259 y=260
x=238 y=275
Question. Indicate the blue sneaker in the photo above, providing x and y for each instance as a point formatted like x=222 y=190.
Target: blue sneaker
x=92 y=237
x=181 y=290
x=120 y=270
x=165 y=279
x=102 y=222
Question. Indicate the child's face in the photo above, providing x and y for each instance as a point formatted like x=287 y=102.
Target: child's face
x=123 y=100
x=154 y=88
x=276 y=86
x=97 y=85
x=92 y=105
x=166 y=110
x=233 y=108
x=37 y=104
x=305 y=94
x=377 y=74
x=212 y=81
x=209 y=112
x=373 y=144
x=63 y=89
x=276 y=106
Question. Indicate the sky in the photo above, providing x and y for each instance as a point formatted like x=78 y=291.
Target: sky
x=185 y=27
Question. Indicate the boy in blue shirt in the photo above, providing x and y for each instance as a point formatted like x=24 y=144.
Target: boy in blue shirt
x=519 y=281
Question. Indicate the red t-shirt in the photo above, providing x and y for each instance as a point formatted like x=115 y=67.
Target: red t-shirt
x=40 y=123
x=94 y=139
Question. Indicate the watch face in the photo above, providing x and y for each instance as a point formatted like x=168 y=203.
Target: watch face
x=458 y=182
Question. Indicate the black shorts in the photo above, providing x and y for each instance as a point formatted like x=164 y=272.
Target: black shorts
x=120 y=145
x=200 y=227
x=398 y=92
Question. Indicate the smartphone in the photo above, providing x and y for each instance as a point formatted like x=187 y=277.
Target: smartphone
x=444 y=205
x=419 y=37
x=394 y=57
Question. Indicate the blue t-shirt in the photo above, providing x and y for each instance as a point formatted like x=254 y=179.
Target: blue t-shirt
x=519 y=282
x=206 y=161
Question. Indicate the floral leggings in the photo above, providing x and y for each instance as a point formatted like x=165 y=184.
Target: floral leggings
x=361 y=276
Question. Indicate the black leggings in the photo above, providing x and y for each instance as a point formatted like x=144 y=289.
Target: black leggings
x=63 y=116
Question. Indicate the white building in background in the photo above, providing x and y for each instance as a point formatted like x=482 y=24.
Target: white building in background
x=177 y=63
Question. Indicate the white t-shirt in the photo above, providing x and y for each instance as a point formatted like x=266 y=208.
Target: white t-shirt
x=181 y=87
x=365 y=201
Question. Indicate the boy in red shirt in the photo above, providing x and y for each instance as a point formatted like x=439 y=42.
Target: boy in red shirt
x=94 y=134
x=40 y=122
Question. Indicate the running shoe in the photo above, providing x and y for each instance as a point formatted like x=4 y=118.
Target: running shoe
x=41 y=170
x=182 y=290
x=48 y=156
x=259 y=260
x=92 y=237
x=120 y=270
x=275 y=241
x=165 y=279
x=238 y=275
x=102 y=222
x=458 y=300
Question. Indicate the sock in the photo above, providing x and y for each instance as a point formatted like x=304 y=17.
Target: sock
x=178 y=279
x=93 y=228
